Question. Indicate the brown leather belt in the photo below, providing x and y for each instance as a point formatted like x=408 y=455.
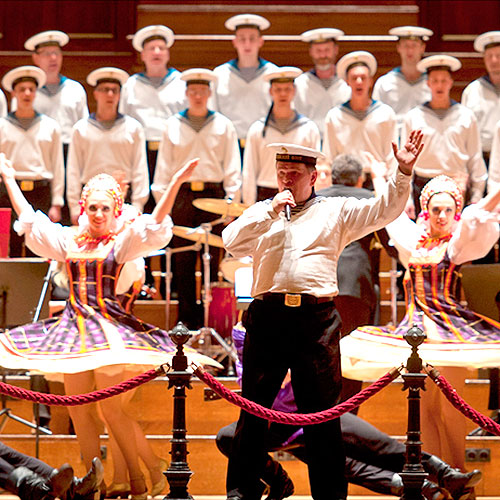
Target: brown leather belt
x=293 y=299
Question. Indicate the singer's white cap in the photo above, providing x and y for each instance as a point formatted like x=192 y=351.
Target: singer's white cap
x=247 y=21
x=295 y=154
x=107 y=74
x=440 y=60
x=321 y=35
x=198 y=75
x=283 y=75
x=487 y=40
x=357 y=57
x=46 y=39
x=23 y=73
x=411 y=33
x=153 y=32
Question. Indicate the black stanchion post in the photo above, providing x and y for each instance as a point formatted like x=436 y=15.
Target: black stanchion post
x=413 y=474
x=178 y=473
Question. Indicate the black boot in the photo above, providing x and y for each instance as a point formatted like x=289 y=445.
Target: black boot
x=87 y=487
x=458 y=484
x=280 y=484
x=30 y=486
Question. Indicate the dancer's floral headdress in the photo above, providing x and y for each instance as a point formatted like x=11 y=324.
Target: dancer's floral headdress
x=441 y=184
x=107 y=183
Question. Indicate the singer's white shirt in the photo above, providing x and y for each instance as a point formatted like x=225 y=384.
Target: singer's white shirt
x=400 y=94
x=152 y=106
x=95 y=149
x=300 y=256
x=452 y=146
x=36 y=153
x=241 y=101
x=348 y=132
x=66 y=106
x=313 y=100
x=483 y=98
x=215 y=144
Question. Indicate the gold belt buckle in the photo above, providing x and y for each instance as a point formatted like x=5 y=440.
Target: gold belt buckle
x=27 y=185
x=293 y=299
x=197 y=186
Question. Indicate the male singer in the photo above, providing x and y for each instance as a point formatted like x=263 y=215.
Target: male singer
x=293 y=323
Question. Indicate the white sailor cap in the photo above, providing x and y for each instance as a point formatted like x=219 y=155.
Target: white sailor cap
x=153 y=32
x=46 y=38
x=107 y=74
x=321 y=35
x=247 y=21
x=295 y=154
x=21 y=74
x=439 y=61
x=357 y=57
x=198 y=75
x=484 y=41
x=411 y=33
x=284 y=74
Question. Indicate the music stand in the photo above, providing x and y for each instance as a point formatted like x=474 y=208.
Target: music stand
x=22 y=289
x=481 y=283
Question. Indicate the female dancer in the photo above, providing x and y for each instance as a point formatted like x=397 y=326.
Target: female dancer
x=95 y=341
x=432 y=250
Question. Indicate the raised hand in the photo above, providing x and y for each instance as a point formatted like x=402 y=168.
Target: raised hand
x=281 y=199
x=185 y=172
x=408 y=154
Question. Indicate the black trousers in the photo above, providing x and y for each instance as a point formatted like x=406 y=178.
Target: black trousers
x=10 y=459
x=372 y=457
x=184 y=213
x=305 y=340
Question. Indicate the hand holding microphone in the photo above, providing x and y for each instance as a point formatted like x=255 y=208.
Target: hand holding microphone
x=284 y=200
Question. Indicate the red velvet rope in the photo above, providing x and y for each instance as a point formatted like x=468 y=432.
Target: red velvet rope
x=80 y=399
x=462 y=406
x=297 y=418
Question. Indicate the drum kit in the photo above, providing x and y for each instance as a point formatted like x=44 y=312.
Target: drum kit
x=203 y=238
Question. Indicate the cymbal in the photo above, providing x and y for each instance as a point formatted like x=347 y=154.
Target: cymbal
x=220 y=206
x=197 y=234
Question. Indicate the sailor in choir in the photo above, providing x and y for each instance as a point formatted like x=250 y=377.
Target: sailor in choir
x=361 y=126
x=197 y=132
x=282 y=123
x=107 y=142
x=483 y=94
x=32 y=142
x=405 y=87
x=61 y=98
x=242 y=92
x=320 y=89
x=452 y=143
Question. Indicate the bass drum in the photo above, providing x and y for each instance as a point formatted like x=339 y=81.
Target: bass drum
x=229 y=265
x=222 y=314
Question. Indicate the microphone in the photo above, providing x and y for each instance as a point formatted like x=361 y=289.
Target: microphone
x=288 y=212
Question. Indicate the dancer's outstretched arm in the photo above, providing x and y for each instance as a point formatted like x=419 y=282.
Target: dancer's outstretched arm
x=164 y=206
x=491 y=201
x=19 y=202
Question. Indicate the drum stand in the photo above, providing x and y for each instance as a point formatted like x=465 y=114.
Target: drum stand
x=206 y=333
x=168 y=276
